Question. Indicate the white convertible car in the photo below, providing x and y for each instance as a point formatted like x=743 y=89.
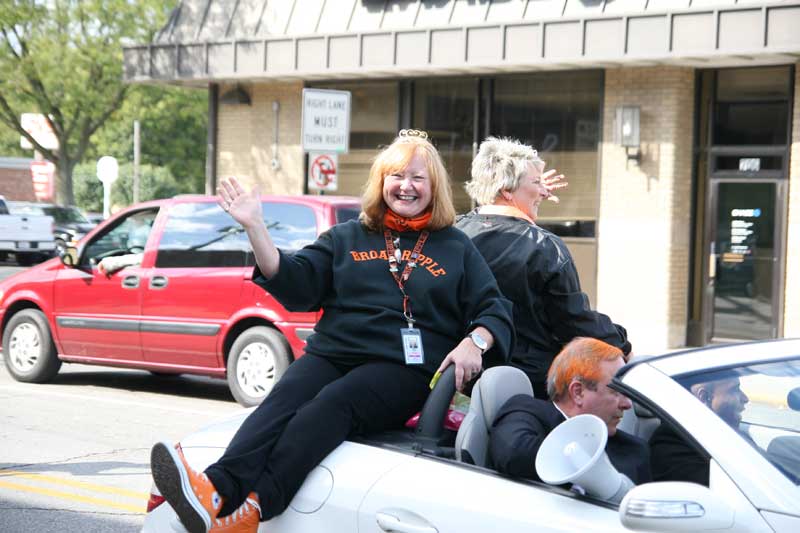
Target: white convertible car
x=430 y=480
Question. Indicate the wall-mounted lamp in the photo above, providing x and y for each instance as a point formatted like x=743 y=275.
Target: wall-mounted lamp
x=627 y=133
x=235 y=96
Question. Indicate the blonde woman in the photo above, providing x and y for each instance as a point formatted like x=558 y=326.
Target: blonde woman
x=403 y=294
x=533 y=267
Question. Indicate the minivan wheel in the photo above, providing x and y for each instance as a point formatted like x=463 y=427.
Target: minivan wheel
x=28 y=349
x=257 y=360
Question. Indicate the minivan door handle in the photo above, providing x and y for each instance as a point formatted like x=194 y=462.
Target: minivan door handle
x=159 y=282
x=130 y=282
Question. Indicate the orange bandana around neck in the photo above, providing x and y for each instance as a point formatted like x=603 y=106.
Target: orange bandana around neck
x=396 y=222
x=505 y=210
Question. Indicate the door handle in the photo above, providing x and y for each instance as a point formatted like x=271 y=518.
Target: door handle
x=130 y=282
x=712 y=266
x=712 y=261
x=391 y=523
x=159 y=282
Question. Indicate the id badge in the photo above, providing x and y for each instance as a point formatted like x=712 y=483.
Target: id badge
x=412 y=346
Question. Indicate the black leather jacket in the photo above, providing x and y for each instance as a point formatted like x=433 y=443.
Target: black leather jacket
x=535 y=270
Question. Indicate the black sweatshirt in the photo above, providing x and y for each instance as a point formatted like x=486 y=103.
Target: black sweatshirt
x=536 y=272
x=346 y=274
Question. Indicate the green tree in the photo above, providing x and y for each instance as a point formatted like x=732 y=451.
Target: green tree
x=173 y=124
x=154 y=183
x=9 y=143
x=63 y=59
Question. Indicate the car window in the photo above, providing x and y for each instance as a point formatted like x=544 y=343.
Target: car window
x=18 y=208
x=343 y=214
x=127 y=235
x=762 y=403
x=203 y=235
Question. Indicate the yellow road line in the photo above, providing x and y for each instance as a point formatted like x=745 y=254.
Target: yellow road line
x=139 y=509
x=73 y=483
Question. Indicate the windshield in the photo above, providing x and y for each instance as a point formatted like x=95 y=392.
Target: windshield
x=762 y=403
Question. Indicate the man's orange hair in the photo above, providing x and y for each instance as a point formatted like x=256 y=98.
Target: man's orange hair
x=580 y=359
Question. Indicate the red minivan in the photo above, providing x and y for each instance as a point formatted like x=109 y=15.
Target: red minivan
x=189 y=306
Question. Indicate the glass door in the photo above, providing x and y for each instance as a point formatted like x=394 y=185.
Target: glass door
x=744 y=259
x=740 y=204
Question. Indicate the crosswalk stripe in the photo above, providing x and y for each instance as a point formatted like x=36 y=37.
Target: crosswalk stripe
x=75 y=483
x=139 y=509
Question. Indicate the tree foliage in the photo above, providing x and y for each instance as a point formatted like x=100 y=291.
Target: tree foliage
x=154 y=183
x=9 y=143
x=173 y=123
x=63 y=59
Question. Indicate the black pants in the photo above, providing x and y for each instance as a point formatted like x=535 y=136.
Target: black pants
x=311 y=410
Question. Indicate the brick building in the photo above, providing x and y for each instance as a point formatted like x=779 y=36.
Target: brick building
x=15 y=179
x=689 y=235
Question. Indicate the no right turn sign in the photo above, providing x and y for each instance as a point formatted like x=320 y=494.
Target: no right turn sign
x=322 y=171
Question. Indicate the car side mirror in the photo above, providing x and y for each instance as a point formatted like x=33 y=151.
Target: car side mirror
x=69 y=257
x=674 y=506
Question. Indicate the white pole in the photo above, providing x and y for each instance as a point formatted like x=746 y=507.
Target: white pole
x=106 y=199
x=107 y=173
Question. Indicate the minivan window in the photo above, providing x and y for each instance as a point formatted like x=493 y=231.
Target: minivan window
x=200 y=235
x=127 y=236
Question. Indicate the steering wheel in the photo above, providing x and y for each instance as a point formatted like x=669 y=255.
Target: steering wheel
x=431 y=419
x=136 y=249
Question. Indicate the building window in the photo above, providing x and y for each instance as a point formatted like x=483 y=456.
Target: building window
x=445 y=108
x=558 y=113
x=752 y=106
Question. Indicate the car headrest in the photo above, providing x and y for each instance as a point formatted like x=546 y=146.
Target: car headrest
x=497 y=385
x=642 y=411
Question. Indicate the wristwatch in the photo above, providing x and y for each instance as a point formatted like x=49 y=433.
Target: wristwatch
x=479 y=341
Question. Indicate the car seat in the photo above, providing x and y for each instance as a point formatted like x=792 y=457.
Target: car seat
x=492 y=390
x=639 y=421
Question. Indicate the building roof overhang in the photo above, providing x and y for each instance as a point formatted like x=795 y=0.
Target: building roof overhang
x=738 y=34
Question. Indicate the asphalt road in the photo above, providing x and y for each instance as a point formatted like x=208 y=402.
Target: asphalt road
x=75 y=452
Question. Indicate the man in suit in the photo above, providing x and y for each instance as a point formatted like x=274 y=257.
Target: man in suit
x=672 y=457
x=577 y=383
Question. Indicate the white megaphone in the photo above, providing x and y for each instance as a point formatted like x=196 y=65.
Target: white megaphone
x=575 y=452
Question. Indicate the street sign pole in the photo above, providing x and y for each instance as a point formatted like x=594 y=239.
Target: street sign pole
x=107 y=172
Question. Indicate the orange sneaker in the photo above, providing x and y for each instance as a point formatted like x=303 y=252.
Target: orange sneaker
x=191 y=494
x=245 y=519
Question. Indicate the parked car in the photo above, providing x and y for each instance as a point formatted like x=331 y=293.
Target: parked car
x=410 y=481
x=189 y=307
x=69 y=224
x=28 y=236
x=94 y=218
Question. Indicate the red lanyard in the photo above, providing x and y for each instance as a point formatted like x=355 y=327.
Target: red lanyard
x=411 y=264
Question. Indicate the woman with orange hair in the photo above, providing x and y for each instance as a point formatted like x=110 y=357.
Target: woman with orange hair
x=403 y=293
